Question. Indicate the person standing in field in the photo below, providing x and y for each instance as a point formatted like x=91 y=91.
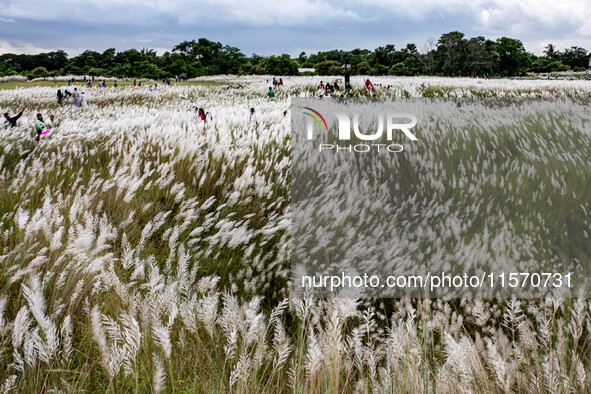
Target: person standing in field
x=11 y=122
x=60 y=97
x=271 y=93
x=347 y=79
x=76 y=98
x=83 y=102
x=368 y=86
x=253 y=117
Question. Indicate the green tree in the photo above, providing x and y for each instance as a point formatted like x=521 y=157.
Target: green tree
x=280 y=65
x=328 y=67
x=40 y=72
x=399 y=69
x=513 y=60
x=97 y=72
x=385 y=56
x=362 y=68
x=107 y=58
x=379 y=69
x=575 y=57
x=450 y=56
x=550 y=51
x=481 y=56
x=302 y=58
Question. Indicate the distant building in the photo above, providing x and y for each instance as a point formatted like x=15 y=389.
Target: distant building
x=304 y=70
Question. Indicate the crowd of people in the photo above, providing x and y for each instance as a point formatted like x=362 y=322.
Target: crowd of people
x=78 y=99
x=43 y=128
x=328 y=90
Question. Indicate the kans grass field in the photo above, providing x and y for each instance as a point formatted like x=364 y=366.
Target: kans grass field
x=143 y=252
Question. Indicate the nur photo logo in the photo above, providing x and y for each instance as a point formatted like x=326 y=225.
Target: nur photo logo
x=348 y=130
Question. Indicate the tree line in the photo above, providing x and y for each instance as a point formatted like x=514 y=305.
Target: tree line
x=451 y=55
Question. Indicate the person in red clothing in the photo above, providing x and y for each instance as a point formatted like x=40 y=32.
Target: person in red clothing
x=368 y=86
x=202 y=116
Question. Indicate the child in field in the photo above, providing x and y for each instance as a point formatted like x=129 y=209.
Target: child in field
x=271 y=93
x=202 y=116
x=41 y=129
x=253 y=117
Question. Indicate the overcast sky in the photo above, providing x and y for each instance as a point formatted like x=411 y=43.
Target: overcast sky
x=270 y=27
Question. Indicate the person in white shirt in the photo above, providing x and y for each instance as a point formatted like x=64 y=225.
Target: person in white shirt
x=253 y=117
x=83 y=102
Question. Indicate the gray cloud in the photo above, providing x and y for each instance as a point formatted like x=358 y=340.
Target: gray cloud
x=267 y=26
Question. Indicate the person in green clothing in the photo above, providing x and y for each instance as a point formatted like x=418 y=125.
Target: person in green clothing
x=271 y=93
x=41 y=128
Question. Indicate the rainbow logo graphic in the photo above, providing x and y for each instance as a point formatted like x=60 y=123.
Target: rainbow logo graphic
x=316 y=117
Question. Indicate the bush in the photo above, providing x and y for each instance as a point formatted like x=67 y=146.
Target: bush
x=40 y=72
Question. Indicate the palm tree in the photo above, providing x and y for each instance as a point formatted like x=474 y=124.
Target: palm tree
x=550 y=51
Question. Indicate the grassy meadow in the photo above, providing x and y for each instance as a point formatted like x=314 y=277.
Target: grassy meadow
x=142 y=251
